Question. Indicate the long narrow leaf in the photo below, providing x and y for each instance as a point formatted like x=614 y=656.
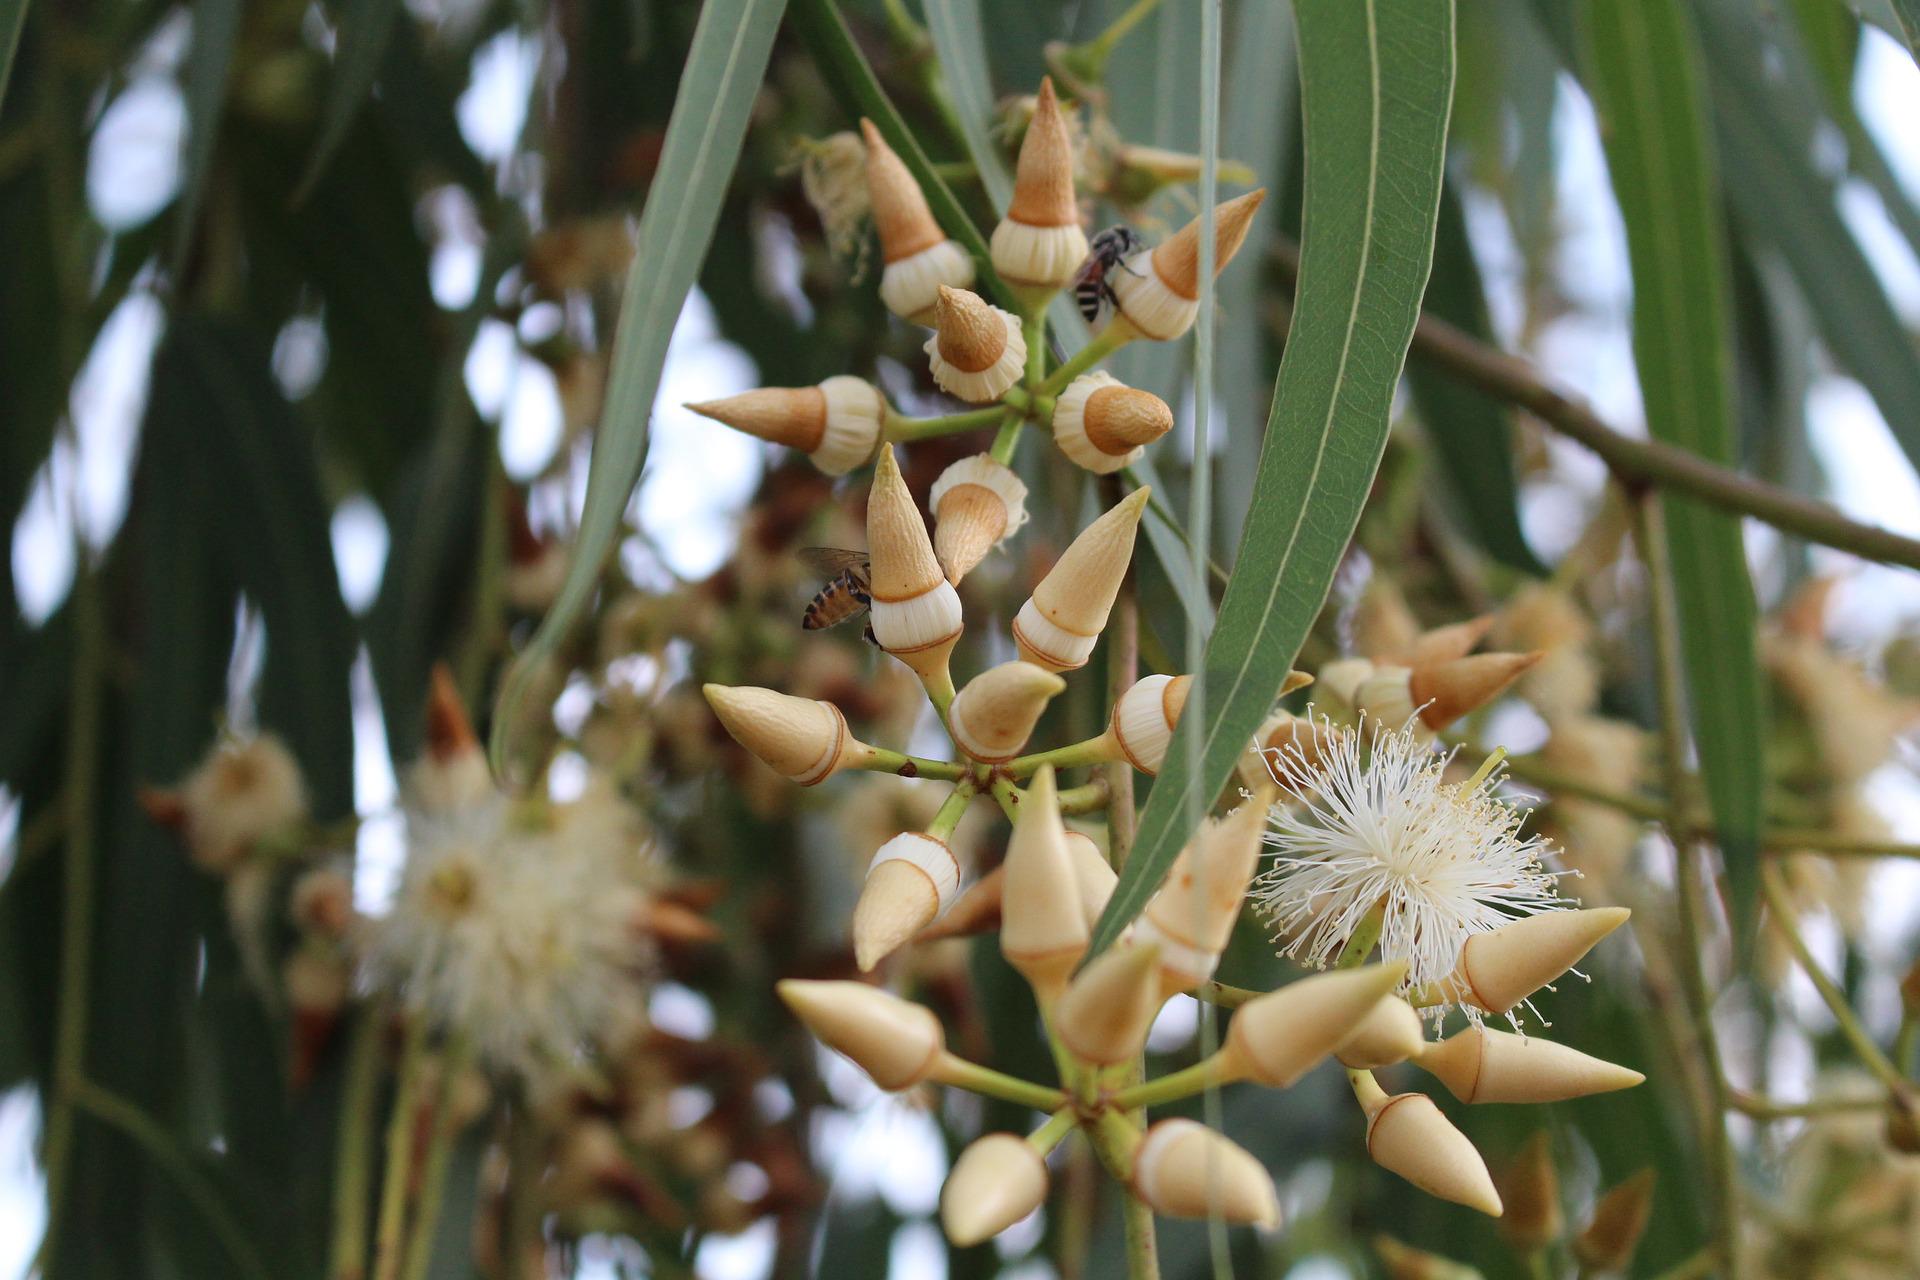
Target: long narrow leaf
x=13 y=16
x=1649 y=93
x=365 y=27
x=1376 y=87
x=954 y=26
x=717 y=88
x=215 y=25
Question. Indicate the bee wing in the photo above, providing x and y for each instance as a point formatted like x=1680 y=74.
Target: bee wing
x=831 y=561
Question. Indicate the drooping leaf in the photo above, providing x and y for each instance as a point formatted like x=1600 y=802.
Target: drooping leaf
x=1651 y=97
x=717 y=89
x=1470 y=430
x=216 y=24
x=1376 y=84
x=13 y=17
x=365 y=27
x=956 y=30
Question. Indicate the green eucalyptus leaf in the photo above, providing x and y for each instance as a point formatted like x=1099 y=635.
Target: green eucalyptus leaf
x=717 y=90
x=1376 y=82
x=1651 y=98
x=365 y=27
x=216 y=24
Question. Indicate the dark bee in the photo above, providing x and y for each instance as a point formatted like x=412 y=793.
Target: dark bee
x=848 y=591
x=1108 y=253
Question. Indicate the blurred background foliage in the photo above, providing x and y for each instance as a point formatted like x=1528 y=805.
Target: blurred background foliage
x=277 y=279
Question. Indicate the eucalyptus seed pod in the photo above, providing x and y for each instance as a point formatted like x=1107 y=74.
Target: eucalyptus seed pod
x=1191 y=916
x=916 y=612
x=801 y=738
x=1531 y=1192
x=1498 y=970
x=1039 y=246
x=1106 y=1011
x=993 y=715
x=998 y=1180
x=912 y=879
x=895 y=1042
x=1093 y=874
x=977 y=504
x=1068 y=610
x=1277 y=1038
x=918 y=256
x=1619 y=1221
x=837 y=424
x=1103 y=425
x=1043 y=929
x=1407 y=1135
x=1185 y=1170
x=1144 y=718
x=977 y=350
x=1484 y=1065
x=1158 y=289
x=1391 y=1032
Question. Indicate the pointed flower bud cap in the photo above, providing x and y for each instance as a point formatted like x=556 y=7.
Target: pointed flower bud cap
x=1191 y=916
x=1043 y=930
x=1279 y=1037
x=1039 y=244
x=896 y=1043
x=918 y=255
x=1445 y=692
x=1498 y=970
x=1094 y=874
x=1530 y=1188
x=1444 y=644
x=977 y=350
x=1108 y=1008
x=1385 y=697
x=1407 y=1135
x=977 y=504
x=1619 y=1220
x=916 y=613
x=1185 y=1170
x=1391 y=1032
x=1159 y=289
x=836 y=424
x=1404 y=1262
x=1103 y=425
x=998 y=1180
x=994 y=714
x=804 y=739
x=911 y=881
x=1484 y=1065
x=1145 y=717
x=1057 y=626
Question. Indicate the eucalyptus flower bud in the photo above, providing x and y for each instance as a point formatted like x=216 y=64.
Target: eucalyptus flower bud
x=916 y=613
x=994 y=713
x=1158 y=289
x=1106 y=1011
x=837 y=424
x=1390 y=1033
x=1043 y=929
x=895 y=1042
x=801 y=738
x=912 y=879
x=1484 y=1065
x=919 y=257
x=1619 y=1221
x=1185 y=1170
x=998 y=1180
x=1103 y=425
x=977 y=504
x=1039 y=246
x=1277 y=1038
x=1407 y=1135
x=1531 y=1193
x=977 y=350
x=1057 y=626
x=1498 y=970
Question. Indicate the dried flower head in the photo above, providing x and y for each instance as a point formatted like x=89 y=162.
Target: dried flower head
x=1375 y=823
x=243 y=792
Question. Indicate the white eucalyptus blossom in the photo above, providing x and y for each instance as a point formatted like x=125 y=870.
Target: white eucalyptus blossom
x=1372 y=821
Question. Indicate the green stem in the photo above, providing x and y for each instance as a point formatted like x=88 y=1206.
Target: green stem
x=433 y=1166
x=1226 y=997
x=1104 y=344
x=398 y=1170
x=881 y=760
x=971 y=1076
x=1100 y=48
x=520 y=1216
x=1007 y=796
x=1759 y=1108
x=1091 y=798
x=1365 y=935
x=354 y=1156
x=1009 y=438
x=113 y=1110
x=1100 y=750
x=1054 y=1131
x=1671 y=688
x=952 y=810
x=1184 y=1083
x=904 y=430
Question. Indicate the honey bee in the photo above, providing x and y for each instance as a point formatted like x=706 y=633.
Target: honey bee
x=848 y=590
x=1107 y=254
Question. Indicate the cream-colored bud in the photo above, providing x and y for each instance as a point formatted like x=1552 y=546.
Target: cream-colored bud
x=977 y=350
x=918 y=256
x=1619 y=1220
x=1279 y=1037
x=912 y=879
x=1484 y=1065
x=1191 y=916
x=1094 y=874
x=998 y=1180
x=910 y=288
x=802 y=738
x=1498 y=970
x=1444 y=644
x=1391 y=1032
x=1158 y=289
x=1530 y=1190
x=837 y=424
x=1341 y=678
x=1144 y=718
x=977 y=504
x=1043 y=930
x=975 y=911
x=1104 y=425
x=1106 y=1011
x=897 y=1043
x=916 y=612
x=1039 y=245
x=1385 y=696
x=1450 y=690
x=1068 y=610
x=993 y=715
x=1407 y=1135
x=1185 y=1170
x=1287 y=749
